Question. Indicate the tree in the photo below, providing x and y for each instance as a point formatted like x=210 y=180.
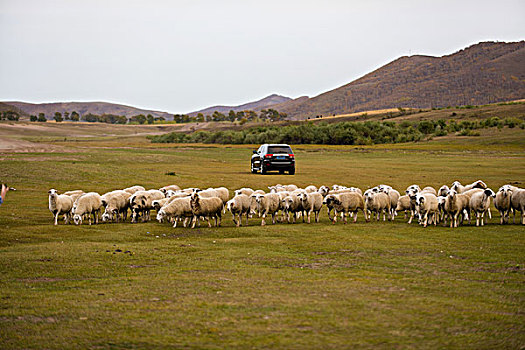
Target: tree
x=150 y=119
x=66 y=115
x=42 y=117
x=33 y=118
x=58 y=117
x=75 y=117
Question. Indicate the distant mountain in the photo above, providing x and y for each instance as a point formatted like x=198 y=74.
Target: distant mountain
x=82 y=108
x=483 y=73
x=264 y=103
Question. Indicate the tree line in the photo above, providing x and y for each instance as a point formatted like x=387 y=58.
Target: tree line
x=343 y=133
x=95 y=118
x=241 y=116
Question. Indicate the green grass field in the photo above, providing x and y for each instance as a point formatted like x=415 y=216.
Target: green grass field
x=364 y=285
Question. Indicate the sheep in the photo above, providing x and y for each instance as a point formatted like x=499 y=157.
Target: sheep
x=456 y=204
x=134 y=189
x=503 y=204
x=517 y=202
x=292 y=205
x=239 y=205
x=267 y=204
x=168 y=188
x=74 y=194
x=394 y=197
x=429 y=189
x=258 y=192
x=245 y=190
x=480 y=203
x=311 y=202
x=348 y=202
x=175 y=210
x=223 y=193
x=115 y=203
x=311 y=189
x=378 y=202
x=441 y=209
x=206 y=207
x=459 y=188
x=141 y=202
x=89 y=203
x=403 y=204
x=427 y=205
x=60 y=204
x=412 y=192
x=324 y=190
x=443 y=191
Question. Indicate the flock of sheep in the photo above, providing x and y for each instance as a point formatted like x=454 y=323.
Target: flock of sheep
x=287 y=203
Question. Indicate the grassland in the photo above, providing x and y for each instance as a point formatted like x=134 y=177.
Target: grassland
x=364 y=285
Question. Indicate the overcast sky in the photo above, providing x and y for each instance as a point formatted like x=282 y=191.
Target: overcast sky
x=180 y=56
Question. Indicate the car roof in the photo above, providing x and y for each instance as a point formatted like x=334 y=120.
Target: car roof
x=276 y=144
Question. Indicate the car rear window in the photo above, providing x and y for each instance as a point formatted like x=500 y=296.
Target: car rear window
x=279 y=149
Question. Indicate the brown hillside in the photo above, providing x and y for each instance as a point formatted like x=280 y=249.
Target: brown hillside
x=484 y=73
x=267 y=102
x=82 y=108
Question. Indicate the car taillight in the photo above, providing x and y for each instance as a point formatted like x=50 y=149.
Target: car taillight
x=268 y=156
x=291 y=156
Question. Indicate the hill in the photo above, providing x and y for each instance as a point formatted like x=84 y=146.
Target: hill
x=263 y=103
x=484 y=73
x=82 y=108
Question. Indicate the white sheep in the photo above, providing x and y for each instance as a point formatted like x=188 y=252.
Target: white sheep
x=134 y=189
x=245 y=190
x=427 y=206
x=116 y=203
x=459 y=188
x=403 y=204
x=239 y=206
x=456 y=204
x=312 y=203
x=142 y=202
x=503 y=204
x=291 y=205
x=206 y=207
x=175 y=210
x=90 y=204
x=346 y=202
x=74 y=194
x=60 y=204
x=517 y=201
x=169 y=188
x=480 y=204
x=443 y=191
x=267 y=204
x=310 y=189
x=378 y=202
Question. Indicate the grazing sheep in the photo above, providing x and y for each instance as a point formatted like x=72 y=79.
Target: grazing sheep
x=378 y=202
x=175 y=210
x=141 y=202
x=480 y=204
x=206 y=207
x=459 y=188
x=403 y=204
x=74 y=194
x=517 y=202
x=456 y=204
x=115 y=203
x=245 y=190
x=60 y=204
x=239 y=206
x=503 y=204
x=312 y=202
x=134 y=189
x=267 y=204
x=347 y=202
x=427 y=205
x=169 y=188
x=89 y=203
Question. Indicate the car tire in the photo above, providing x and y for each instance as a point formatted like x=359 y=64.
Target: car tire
x=281 y=171
x=254 y=171
x=263 y=169
x=291 y=171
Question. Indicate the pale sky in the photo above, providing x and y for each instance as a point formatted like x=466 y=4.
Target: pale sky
x=181 y=56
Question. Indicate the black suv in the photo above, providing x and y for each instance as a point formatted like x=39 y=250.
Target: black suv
x=273 y=157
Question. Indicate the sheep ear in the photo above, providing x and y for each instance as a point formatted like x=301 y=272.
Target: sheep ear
x=143 y=202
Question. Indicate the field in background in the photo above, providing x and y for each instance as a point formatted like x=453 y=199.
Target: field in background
x=370 y=285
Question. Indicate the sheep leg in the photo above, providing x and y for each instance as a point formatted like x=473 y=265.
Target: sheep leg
x=344 y=216
x=208 y=219
x=489 y=213
x=309 y=213
x=425 y=219
x=56 y=217
x=273 y=217
x=263 y=221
